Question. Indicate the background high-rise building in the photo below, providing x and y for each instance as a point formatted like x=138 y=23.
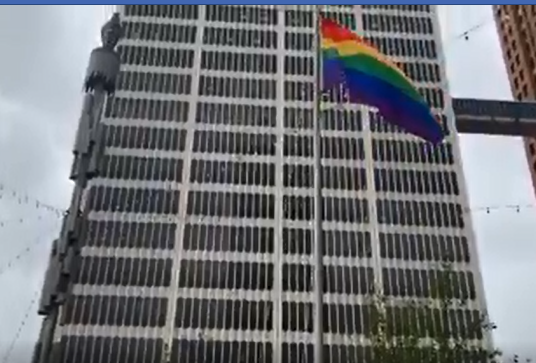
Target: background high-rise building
x=199 y=241
x=516 y=25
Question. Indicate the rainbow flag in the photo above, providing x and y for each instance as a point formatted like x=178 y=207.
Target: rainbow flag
x=372 y=79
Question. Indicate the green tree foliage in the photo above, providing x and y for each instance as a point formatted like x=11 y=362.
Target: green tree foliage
x=429 y=330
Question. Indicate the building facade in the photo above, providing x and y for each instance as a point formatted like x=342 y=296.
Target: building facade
x=517 y=34
x=199 y=245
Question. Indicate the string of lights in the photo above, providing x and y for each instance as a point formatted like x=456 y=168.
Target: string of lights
x=24 y=198
x=22 y=325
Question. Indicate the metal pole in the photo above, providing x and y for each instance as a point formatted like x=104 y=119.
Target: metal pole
x=318 y=236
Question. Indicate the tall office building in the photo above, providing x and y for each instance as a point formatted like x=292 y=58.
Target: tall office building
x=199 y=246
x=517 y=33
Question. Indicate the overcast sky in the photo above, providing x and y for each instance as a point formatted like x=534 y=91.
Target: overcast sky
x=44 y=55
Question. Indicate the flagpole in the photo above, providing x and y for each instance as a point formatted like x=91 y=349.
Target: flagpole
x=318 y=318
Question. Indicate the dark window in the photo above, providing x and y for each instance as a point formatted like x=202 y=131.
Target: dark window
x=113 y=349
x=343 y=178
x=124 y=271
x=299 y=91
x=156 y=57
x=336 y=243
x=299 y=19
x=240 y=37
x=237 y=87
x=188 y=12
x=133 y=200
x=213 y=351
x=228 y=238
x=342 y=120
x=298 y=146
x=239 y=62
x=297 y=316
x=297 y=278
x=397 y=24
x=238 y=205
x=234 y=143
x=140 y=168
x=342 y=148
x=296 y=65
x=345 y=210
x=167 y=83
x=147 y=109
x=298 y=118
x=217 y=275
x=235 y=114
x=224 y=314
x=346 y=319
x=348 y=280
x=404 y=47
x=145 y=138
x=411 y=152
x=130 y=235
x=417 y=247
x=299 y=41
x=298 y=176
x=115 y=310
x=297 y=207
x=414 y=213
x=160 y=32
x=227 y=172
x=416 y=181
x=241 y=14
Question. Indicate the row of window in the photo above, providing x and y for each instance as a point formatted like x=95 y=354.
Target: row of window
x=247 y=205
x=411 y=152
x=239 y=62
x=83 y=349
x=131 y=234
x=265 y=144
x=424 y=247
x=397 y=24
x=141 y=168
x=261 y=240
x=236 y=14
x=241 y=14
x=212 y=314
x=416 y=181
x=425 y=214
x=348 y=280
x=243 y=173
x=248 y=38
x=294 y=117
x=220 y=275
x=412 y=8
x=236 y=114
x=145 y=138
x=115 y=310
x=433 y=322
x=421 y=72
x=404 y=47
x=133 y=200
x=258 y=315
x=238 y=87
x=168 y=83
x=147 y=109
x=124 y=271
x=156 y=56
x=160 y=32
x=429 y=283
x=187 y=12
x=268 y=39
x=378 y=124
x=407 y=247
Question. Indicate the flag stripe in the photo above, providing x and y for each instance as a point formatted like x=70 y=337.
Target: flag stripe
x=372 y=79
